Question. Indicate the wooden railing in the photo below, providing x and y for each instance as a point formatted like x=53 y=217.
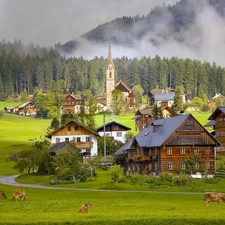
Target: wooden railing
x=86 y=145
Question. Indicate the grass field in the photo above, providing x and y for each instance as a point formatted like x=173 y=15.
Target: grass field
x=44 y=206
x=126 y=204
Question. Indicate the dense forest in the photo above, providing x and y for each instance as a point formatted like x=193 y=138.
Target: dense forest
x=27 y=67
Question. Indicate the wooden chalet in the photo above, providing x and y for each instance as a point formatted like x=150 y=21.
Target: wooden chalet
x=114 y=130
x=217 y=122
x=214 y=100
x=85 y=139
x=72 y=103
x=26 y=109
x=165 y=143
x=142 y=118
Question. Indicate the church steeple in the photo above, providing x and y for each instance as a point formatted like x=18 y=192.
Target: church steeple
x=110 y=79
x=110 y=56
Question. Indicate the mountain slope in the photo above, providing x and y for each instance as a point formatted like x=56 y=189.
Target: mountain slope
x=186 y=23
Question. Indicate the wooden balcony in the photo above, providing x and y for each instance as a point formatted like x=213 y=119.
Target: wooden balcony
x=142 y=158
x=84 y=145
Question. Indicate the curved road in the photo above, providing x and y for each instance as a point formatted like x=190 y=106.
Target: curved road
x=10 y=180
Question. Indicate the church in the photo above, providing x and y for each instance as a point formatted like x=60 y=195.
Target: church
x=128 y=94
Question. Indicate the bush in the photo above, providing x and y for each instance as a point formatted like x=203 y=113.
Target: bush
x=182 y=179
x=166 y=177
x=65 y=174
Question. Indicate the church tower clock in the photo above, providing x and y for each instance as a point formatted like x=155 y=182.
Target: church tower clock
x=110 y=79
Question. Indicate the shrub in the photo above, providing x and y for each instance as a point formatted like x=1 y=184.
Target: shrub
x=166 y=177
x=182 y=179
x=65 y=174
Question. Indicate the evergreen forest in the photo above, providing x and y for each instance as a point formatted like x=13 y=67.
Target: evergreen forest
x=28 y=67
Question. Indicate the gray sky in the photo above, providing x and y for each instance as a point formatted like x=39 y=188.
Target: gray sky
x=47 y=22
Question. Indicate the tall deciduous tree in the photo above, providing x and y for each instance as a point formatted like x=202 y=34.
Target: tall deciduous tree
x=117 y=101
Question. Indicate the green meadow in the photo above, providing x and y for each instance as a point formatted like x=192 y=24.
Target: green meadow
x=45 y=206
x=112 y=203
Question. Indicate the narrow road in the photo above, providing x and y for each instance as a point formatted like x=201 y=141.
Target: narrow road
x=10 y=180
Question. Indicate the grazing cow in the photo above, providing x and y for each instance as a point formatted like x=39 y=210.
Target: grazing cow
x=19 y=194
x=2 y=194
x=213 y=197
x=85 y=208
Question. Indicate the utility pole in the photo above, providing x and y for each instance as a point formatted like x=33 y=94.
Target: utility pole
x=104 y=137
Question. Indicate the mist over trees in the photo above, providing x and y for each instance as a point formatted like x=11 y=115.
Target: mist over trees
x=23 y=72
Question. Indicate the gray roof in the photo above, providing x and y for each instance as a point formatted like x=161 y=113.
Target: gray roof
x=108 y=124
x=169 y=96
x=126 y=146
x=157 y=132
x=210 y=123
x=217 y=110
x=59 y=146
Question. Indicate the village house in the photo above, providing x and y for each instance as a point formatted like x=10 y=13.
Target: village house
x=164 y=144
x=163 y=97
x=73 y=103
x=215 y=100
x=85 y=139
x=144 y=116
x=113 y=130
x=217 y=122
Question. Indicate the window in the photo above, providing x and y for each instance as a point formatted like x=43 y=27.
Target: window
x=207 y=150
x=169 y=151
x=67 y=139
x=197 y=166
x=207 y=165
x=76 y=127
x=116 y=127
x=69 y=128
x=78 y=139
x=169 y=166
x=182 y=165
x=217 y=133
x=87 y=139
x=182 y=150
x=57 y=140
x=196 y=150
x=119 y=134
x=107 y=134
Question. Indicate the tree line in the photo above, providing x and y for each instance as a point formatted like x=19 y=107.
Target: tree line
x=20 y=70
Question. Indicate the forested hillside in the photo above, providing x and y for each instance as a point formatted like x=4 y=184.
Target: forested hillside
x=19 y=72
x=179 y=23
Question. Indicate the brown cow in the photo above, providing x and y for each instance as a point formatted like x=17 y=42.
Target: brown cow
x=2 y=194
x=213 y=197
x=19 y=194
x=85 y=208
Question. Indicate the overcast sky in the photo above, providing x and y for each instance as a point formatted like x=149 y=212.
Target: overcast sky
x=47 y=22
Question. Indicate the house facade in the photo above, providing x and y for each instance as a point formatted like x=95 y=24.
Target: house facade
x=113 y=130
x=217 y=122
x=163 y=97
x=73 y=103
x=142 y=118
x=215 y=100
x=85 y=139
x=165 y=144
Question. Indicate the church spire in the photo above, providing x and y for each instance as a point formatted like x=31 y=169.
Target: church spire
x=110 y=61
